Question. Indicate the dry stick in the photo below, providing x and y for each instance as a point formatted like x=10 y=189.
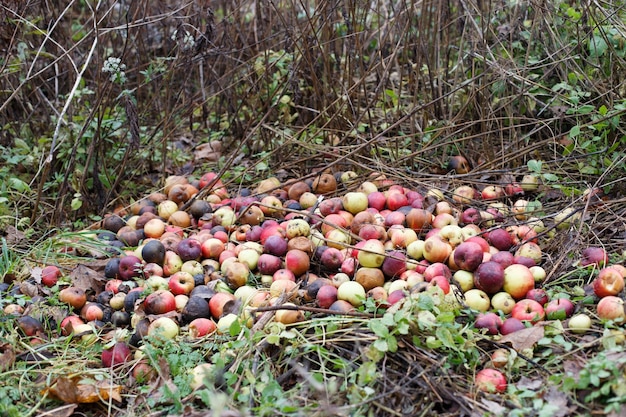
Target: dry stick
x=48 y=161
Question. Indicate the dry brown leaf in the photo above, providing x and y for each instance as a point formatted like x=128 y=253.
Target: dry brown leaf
x=525 y=338
x=494 y=408
x=529 y=384
x=77 y=390
x=560 y=400
x=87 y=279
x=14 y=236
x=211 y=151
x=7 y=356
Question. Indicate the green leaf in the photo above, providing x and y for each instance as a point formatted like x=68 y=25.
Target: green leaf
x=388 y=319
x=381 y=345
x=534 y=165
x=597 y=46
x=392 y=344
x=76 y=203
x=445 y=337
x=379 y=328
x=574 y=131
x=18 y=185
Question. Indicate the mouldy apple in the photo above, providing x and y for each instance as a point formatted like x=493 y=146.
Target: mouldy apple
x=477 y=299
x=159 y=302
x=74 y=296
x=490 y=380
x=502 y=301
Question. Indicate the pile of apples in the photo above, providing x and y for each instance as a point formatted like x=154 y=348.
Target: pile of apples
x=330 y=242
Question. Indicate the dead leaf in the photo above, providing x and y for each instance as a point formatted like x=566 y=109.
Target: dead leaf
x=529 y=384
x=560 y=400
x=77 y=390
x=573 y=367
x=211 y=151
x=14 y=236
x=494 y=408
x=35 y=274
x=7 y=356
x=525 y=338
x=87 y=279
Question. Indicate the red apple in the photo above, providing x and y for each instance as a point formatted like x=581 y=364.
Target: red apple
x=611 y=308
x=608 y=282
x=118 y=354
x=490 y=321
x=201 y=326
x=92 y=311
x=594 y=256
x=332 y=258
x=395 y=200
x=181 y=283
x=489 y=277
x=490 y=380
x=376 y=200
x=500 y=239
x=283 y=274
x=326 y=296
x=511 y=325
x=436 y=269
x=218 y=302
x=503 y=258
x=129 y=267
x=529 y=310
x=394 y=264
x=470 y=215
x=441 y=282
x=159 y=302
x=468 y=256
x=297 y=261
x=50 y=275
x=275 y=244
x=539 y=295
x=268 y=264
x=559 y=309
